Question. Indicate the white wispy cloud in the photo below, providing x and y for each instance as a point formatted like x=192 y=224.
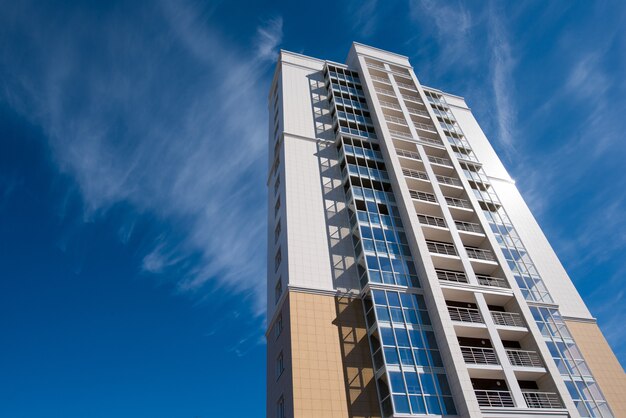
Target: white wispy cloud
x=502 y=81
x=164 y=114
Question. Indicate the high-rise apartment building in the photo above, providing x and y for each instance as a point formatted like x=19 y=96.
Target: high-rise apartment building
x=406 y=275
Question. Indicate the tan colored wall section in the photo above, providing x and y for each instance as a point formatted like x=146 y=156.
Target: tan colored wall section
x=332 y=368
x=603 y=364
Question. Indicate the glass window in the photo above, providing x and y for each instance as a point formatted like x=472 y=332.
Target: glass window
x=278 y=290
x=280 y=365
x=278 y=326
x=280 y=408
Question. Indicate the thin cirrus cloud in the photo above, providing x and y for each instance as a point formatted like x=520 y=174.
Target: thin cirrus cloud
x=159 y=112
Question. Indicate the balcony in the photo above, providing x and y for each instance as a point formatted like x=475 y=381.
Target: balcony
x=431 y=220
x=450 y=181
x=441 y=248
x=423 y=196
x=431 y=141
x=377 y=66
x=385 y=91
x=425 y=127
x=458 y=203
x=400 y=134
x=523 y=358
x=468 y=227
x=406 y=86
x=479 y=355
x=393 y=119
x=390 y=105
x=415 y=174
x=418 y=112
x=381 y=79
x=508 y=319
x=408 y=154
x=492 y=281
x=412 y=98
x=480 y=254
x=451 y=276
x=494 y=398
x=542 y=400
x=470 y=315
x=440 y=161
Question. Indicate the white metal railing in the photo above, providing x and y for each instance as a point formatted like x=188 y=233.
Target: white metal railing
x=451 y=181
x=440 y=161
x=430 y=141
x=379 y=66
x=393 y=119
x=406 y=86
x=494 y=398
x=384 y=91
x=510 y=319
x=451 y=276
x=426 y=197
x=524 y=358
x=441 y=248
x=468 y=227
x=480 y=254
x=390 y=105
x=418 y=112
x=415 y=174
x=459 y=203
x=424 y=127
x=400 y=134
x=412 y=98
x=479 y=355
x=492 y=281
x=381 y=79
x=543 y=400
x=465 y=315
x=409 y=154
x=431 y=220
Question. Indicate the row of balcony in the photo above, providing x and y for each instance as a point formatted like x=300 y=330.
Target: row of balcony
x=459 y=277
x=449 y=249
x=481 y=355
x=472 y=315
x=503 y=399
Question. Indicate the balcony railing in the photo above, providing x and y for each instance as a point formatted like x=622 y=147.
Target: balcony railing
x=381 y=79
x=430 y=141
x=406 y=86
x=400 y=134
x=390 y=105
x=415 y=174
x=509 y=319
x=441 y=248
x=426 y=197
x=494 y=398
x=412 y=98
x=492 y=281
x=468 y=227
x=409 y=154
x=378 y=66
x=459 y=203
x=417 y=111
x=440 y=161
x=385 y=91
x=543 y=400
x=479 y=355
x=424 y=127
x=524 y=358
x=431 y=220
x=451 y=276
x=394 y=119
x=480 y=254
x=451 y=181
x=465 y=315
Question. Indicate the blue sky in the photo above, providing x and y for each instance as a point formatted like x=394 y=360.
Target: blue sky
x=132 y=158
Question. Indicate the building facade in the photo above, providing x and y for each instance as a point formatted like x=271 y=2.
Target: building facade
x=406 y=275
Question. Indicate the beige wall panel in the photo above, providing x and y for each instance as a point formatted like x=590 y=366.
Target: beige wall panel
x=605 y=367
x=332 y=369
